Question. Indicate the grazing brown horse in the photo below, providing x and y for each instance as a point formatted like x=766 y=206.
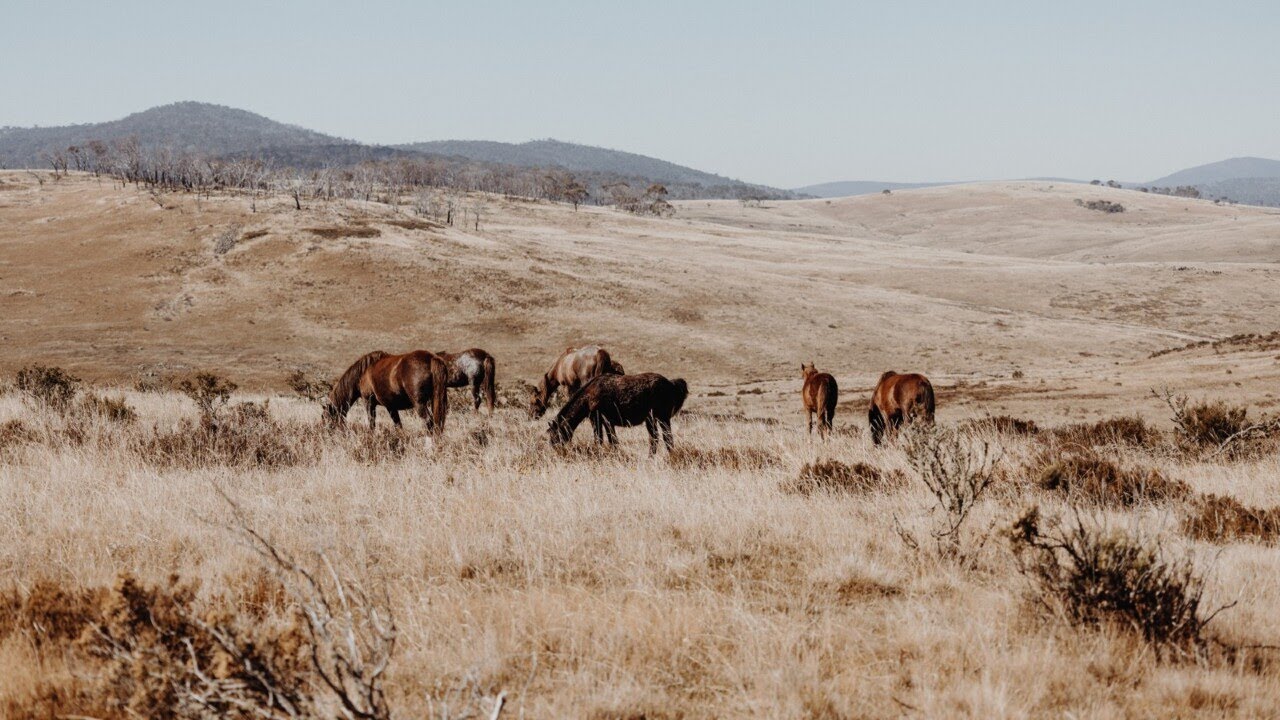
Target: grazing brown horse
x=900 y=399
x=819 y=394
x=622 y=400
x=473 y=367
x=572 y=369
x=417 y=380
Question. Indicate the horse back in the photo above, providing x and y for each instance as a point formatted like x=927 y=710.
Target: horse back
x=819 y=390
x=905 y=393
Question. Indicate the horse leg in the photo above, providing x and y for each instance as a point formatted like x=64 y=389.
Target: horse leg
x=609 y=430
x=809 y=414
x=395 y=417
x=667 y=438
x=876 y=420
x=597 y=427
x=372 y=408
x=651 y=425
x=475 y=392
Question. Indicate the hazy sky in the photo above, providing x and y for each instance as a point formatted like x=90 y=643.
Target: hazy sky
x=786 y=93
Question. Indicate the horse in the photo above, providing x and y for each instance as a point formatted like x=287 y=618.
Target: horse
x=417 y=380
x=622 y=400
x=572 y=369
x=473 y=367
x=900 y=399
x=819 y=394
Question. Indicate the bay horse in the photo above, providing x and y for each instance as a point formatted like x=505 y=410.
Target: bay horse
x=819 y=394
x=417 y=380
x=622 y=400
x=474 y=368
x=900 y=399
x=572 y=369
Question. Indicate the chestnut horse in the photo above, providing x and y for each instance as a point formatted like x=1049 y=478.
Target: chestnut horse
x=900 y=399
x=417 y=380
x=819 y=394
x=572 y=369
x=473 y=367
x=622 y=400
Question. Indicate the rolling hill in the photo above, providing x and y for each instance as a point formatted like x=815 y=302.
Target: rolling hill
x=850 y=188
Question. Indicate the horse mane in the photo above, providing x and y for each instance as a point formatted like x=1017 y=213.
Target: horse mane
x=682 y=392
x=346 y=387
x=575 y=410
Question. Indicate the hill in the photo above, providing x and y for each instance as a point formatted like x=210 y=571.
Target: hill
x=1232 y=169
x=193 y=127
x=849 y=188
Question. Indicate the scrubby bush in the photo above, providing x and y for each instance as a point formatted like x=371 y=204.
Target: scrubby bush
x=1090 y=477
x=1130 y=431
x=1218 y=428
x=1094 y=577
x=958 y=470
x=1220 y=518
x=307 y=387
x=1002 y=424
x=1105 y=206
x=688 y=457
x=209 y=391
x=247 y=437
x=48 y=387
x=111 y=409
x=833 y=476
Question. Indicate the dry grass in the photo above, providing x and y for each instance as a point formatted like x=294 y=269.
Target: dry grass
x=1090 y=477
x=580 y=584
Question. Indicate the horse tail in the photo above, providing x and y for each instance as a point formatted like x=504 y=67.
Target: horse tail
x=926 y=399
x=680 y=394
x=826 y=400
x=876 y=419
x=347 y=388
x=575 y=410
x=490 y=377
x=439 y=394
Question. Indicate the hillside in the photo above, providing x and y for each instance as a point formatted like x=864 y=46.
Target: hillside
x=193 y=127
x=1232 y=169
x=848 y=188
x=968 y=283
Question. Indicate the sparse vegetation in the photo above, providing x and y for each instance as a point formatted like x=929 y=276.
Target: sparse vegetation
x=833 y=476
x=958 y=470
x=1086 y=476
x=1105 y=206
x=48 y=387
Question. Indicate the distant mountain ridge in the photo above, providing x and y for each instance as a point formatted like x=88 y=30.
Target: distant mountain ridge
x=219 y=131
x=1230 y=169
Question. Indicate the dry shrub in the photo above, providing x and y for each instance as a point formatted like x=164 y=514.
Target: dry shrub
x=334 y=233
x=14 y=433
x=833 y=476
x=1094 y=577
x=111 y=409
x=958 y=470
x=1117 y=431
x=226 y=240
x=247 y=437
x=688 y=457
x=412 y=224
x=1220 y=518
x=254 y=235
x=1105 y=206
x=1003 y=425
x=48 y=387
x=1217 y=428
x=378 y=446
x=209 y=391
x=308 y=387
x=1085 y=475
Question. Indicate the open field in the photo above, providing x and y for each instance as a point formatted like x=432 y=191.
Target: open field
x=612 y=584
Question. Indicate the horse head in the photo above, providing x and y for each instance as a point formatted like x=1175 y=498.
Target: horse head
x=539 y=396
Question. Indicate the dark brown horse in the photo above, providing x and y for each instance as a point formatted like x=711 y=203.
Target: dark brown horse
x=622 y=400
x=417 y=380
x=572 y=370
x=819 y=395
x=900 y=399
x=474 y=368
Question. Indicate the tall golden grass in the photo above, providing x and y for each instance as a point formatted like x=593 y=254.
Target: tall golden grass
x=755 y=573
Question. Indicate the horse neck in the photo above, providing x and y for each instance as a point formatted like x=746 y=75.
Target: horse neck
x=573 y=413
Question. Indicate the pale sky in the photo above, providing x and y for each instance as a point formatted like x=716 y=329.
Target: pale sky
x=785 y=93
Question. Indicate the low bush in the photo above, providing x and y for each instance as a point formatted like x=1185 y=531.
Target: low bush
x=1123 y=431
x=111 y=409
x=209 y=391
x=308 y=387
x=1217 y=428
x=688 y=457
x=48 y=387
x=1003 y=425
x=1105 y=206
x=247 y=437
x=833 y=476
x=1219 y=518
x=377 y=447
x=958 y=470
x=1090 y=477
x=1094 y=577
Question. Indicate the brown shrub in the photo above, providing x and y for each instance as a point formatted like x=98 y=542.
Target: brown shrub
x=833 y=476
x=687 y=457
x=308 y=387
x=1094 y=577
x=377 y=447
x=14 y=433
x=357 y=231
x=209 y=391
x=1220 y=518
x=48 y=387
x=1130 y=431
x=1218 y=428
x=1002 y=424
x=112 y=409
x=412 y=224
x=254 y=234
x=246 y=438
x=1088 y=476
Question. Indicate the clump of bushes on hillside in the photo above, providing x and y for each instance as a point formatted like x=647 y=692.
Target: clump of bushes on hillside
x=1105 y=206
